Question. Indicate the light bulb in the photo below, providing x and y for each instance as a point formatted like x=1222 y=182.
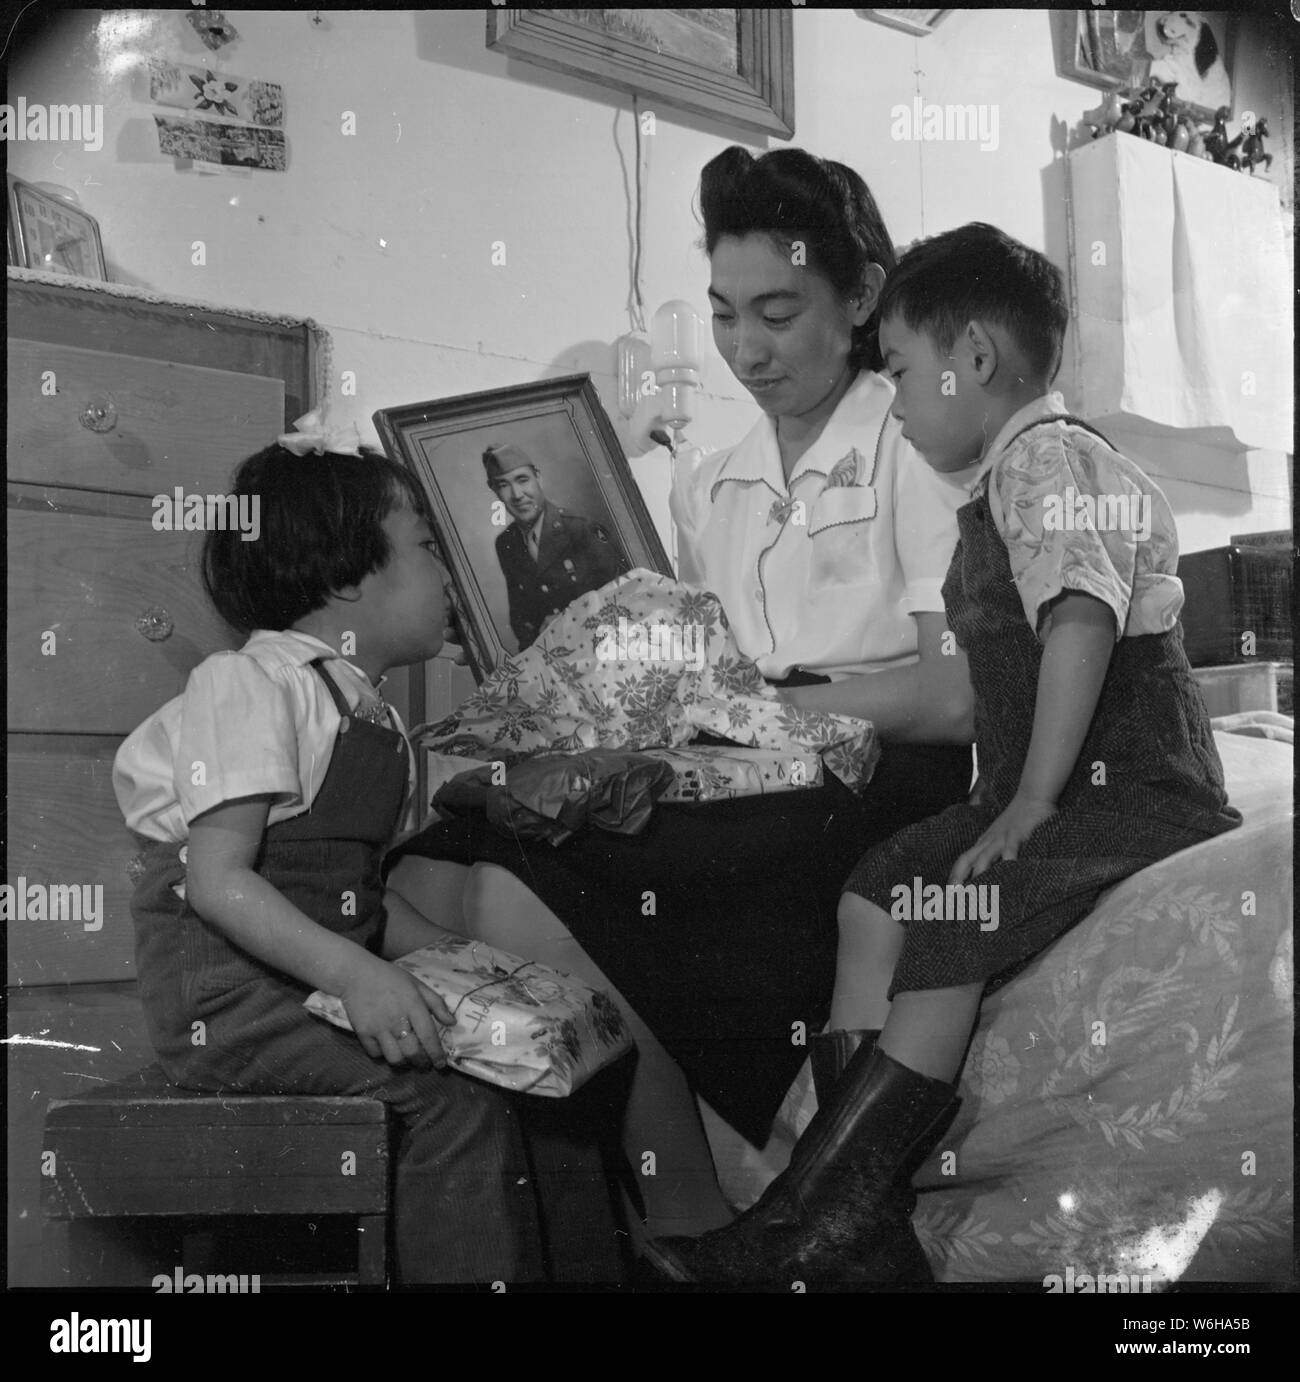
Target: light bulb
x=675 y=357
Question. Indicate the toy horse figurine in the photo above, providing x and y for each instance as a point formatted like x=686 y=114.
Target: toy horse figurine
x=1150 y=115
x=1252 y=148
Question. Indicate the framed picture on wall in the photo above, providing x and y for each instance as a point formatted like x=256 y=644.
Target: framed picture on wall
x=533 y=505
x=1129 y=48
x=737 y=65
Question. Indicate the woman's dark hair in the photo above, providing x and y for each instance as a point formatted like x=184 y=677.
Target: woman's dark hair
x=321 y=530
x=789 y=194
x=979 y=272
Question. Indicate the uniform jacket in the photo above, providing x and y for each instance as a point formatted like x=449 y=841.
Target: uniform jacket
x=574 y=555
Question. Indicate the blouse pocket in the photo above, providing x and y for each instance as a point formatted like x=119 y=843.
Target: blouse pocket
x=840 y=535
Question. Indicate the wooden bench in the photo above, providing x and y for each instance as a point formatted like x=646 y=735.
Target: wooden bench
x=146 y=1152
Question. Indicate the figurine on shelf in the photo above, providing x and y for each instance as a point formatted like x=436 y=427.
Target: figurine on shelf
x=1150 y=116
x=1252 y=148
x=1169 y=114
x=1216 y=142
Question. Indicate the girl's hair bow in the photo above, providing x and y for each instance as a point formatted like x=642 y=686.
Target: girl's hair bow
x=311 y=437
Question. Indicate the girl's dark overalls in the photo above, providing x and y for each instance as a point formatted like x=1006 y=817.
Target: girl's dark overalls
x=222 y=1020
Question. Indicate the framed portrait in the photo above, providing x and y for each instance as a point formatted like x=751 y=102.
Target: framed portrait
x=1129 y=48
x=737 y=65
x=49 y=233
x=533 y=505
x=911 y=21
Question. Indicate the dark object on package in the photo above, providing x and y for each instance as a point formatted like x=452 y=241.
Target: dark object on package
x=551 y=795
x=1232 y=592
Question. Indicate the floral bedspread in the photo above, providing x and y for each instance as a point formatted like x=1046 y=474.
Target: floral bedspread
x=1127 y=1099
x=642 y=662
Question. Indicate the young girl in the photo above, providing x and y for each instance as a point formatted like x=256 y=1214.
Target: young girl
x=1094 y=749
x=266 y=794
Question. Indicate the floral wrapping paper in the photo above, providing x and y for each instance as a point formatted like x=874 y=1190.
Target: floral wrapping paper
x=520 y=1025
x=571 y=690
x=708 y=773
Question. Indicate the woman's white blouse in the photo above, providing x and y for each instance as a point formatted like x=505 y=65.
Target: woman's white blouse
x=257 y=722
x=826 y=572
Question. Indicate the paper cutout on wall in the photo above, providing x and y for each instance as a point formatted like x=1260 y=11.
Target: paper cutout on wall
x=212 y=27
x=201 y=90
x=207 y=141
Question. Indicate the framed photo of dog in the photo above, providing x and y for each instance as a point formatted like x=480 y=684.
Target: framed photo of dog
x=533 y=505
x=1128 y=48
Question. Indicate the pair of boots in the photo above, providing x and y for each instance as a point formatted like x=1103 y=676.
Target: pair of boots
x=841 y=1211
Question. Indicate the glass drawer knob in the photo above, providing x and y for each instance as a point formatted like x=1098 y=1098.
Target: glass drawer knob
x=155 y=623
x=99 y=414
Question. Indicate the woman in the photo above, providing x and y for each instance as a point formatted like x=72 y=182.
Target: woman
x=827 y=539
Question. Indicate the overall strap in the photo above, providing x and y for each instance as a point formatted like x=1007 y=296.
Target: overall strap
x=1058 y=417
x=340 y=704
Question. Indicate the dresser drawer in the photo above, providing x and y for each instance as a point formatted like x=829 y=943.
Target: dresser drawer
x=154 y=425
x=85 y=579
x=65 y=828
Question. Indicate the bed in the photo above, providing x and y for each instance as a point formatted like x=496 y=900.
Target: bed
x=1127 y=1099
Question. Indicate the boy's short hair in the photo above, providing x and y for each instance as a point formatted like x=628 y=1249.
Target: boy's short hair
x=978 y=272
x=321 y=530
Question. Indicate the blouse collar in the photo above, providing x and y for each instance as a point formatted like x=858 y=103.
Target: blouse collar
x=757 y=458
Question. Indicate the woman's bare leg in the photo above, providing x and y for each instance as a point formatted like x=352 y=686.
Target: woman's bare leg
x=433 y=887
x=662 y=1130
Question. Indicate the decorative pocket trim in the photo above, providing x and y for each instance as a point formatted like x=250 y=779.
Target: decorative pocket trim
x=840 y=505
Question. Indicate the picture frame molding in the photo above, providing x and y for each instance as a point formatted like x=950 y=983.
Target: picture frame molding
x=759 y=97
x=402 y=428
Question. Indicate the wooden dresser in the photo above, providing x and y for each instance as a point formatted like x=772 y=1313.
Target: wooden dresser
x=111 y=401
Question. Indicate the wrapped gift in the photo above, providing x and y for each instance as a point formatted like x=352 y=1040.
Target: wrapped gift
x=519 y=1024
x=718 y=773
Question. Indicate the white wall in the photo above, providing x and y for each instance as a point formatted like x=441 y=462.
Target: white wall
x=385 y=237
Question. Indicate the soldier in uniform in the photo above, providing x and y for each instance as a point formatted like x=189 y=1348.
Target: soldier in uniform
x=548 y=557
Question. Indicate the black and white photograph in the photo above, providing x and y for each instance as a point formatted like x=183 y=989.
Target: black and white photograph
x=650 y=652
x=533 y=501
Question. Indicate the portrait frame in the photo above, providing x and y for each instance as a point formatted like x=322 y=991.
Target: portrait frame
x=442 y=443
x=1114 y=49
x=758 y=96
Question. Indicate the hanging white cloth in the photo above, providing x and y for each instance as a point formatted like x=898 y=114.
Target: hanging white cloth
x=1183 y=292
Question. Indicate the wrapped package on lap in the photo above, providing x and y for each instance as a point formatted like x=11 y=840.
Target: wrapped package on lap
x=520 y=1025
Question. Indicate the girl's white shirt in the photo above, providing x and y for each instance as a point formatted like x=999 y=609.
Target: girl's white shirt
x=824 y=573
x=249 y=723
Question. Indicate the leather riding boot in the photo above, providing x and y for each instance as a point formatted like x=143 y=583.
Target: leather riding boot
x=830 y=1052
x=841 y=1212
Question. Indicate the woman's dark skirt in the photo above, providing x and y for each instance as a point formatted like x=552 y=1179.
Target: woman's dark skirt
x=718 y=922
